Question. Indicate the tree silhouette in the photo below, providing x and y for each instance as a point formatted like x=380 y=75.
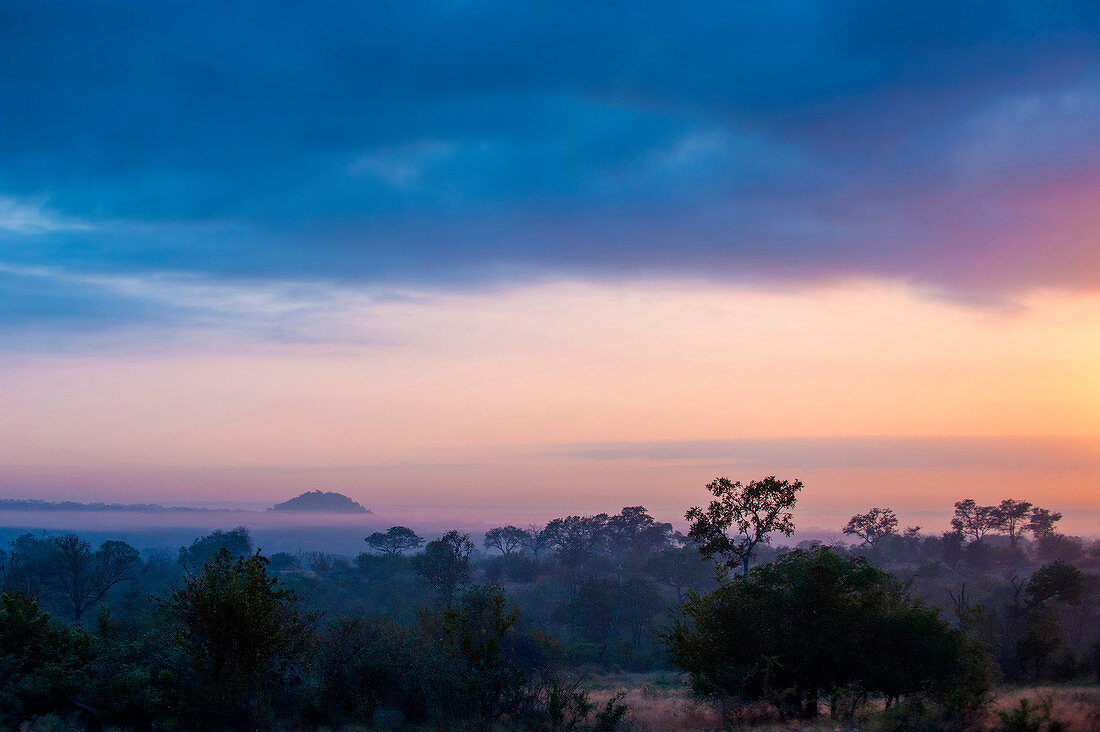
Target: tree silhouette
x=1011 y=517
x=634 y=532
x=44 y=666
x=445 y=563
x=814 y=622
x=1041 y=522
x=576 y=539
x=394 y=541
x=237 y=541
x=240 y=634
x=974 y=521
x=83 y=576
x=536 y=540
x=1055 y=581
x=506 y=539
x=752 y=511
x=873 y=526
x=682 y=570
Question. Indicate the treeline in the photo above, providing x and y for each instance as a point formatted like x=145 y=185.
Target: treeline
x=444 y=632
x=33 y=504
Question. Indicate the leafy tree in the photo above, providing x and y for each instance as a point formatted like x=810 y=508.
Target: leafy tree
x=814 y=621
x=874 y=526
x=238 y=542
x=634 y=532
x=240 y=636
x=10 y=563
x=26 y=566
x=576 y=539
x=362 y=663
x=395 y=541
x=593 y=609
x=1042 y=642
x=465 y=666
x=1055 y=546
x=84 y=577
x=505 y=539
x=752 y=511
x=473 y=636
x=284 y=561
x=514 y=567
x=43 y=665
x=974 y=521
x=1041 y=521
x=1011 y=517
x=126 y=691
x=445 y=563
x=1055 y=581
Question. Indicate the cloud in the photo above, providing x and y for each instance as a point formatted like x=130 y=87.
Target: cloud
x=454 y=145
x=863 y=453
x=54 y=307
x=20 y=217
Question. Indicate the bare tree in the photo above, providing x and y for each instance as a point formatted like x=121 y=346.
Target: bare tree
x=84 y=576
x=26 y=564
x=536 y=540
x=752 y=512
x=9 y=568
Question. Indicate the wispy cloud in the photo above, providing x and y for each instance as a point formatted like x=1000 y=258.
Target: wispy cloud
x=857 y=452
x=420 y=145
x=27 y=217
x=43 y=298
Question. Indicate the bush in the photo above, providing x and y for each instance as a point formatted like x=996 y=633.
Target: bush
x=44 y=666
x=238 y=639
x=813 y=622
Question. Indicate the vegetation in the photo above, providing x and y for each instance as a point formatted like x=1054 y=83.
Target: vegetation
x=394 y=541
x=898 y=631
x=757 y=510
x=816 y=622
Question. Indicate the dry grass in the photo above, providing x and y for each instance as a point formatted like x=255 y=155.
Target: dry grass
x=663 y=702
x=1078 y=707
x=656 y=701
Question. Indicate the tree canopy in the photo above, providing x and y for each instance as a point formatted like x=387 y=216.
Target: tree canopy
x=743 y=516
x=445 y=563
x=238 y=631
x=814 y=621
x=394 y=541
x=874 y=526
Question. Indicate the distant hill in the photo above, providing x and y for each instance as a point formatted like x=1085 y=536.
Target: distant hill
x=33 y=504
x=321 y=502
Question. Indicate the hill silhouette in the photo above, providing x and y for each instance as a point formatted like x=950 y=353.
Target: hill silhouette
x=321 y=502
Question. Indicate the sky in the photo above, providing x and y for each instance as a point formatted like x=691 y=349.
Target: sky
x=544 y=258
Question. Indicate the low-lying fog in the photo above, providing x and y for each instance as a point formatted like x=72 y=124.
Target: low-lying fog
x=271 y=531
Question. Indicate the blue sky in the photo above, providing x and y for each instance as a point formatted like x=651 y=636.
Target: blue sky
x=468 y=144
x=622 y=245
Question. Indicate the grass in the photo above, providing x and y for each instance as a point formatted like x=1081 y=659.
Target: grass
x=1076 y=707
x=662 y=701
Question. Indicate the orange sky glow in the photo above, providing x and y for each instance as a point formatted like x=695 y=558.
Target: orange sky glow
x=584 y=396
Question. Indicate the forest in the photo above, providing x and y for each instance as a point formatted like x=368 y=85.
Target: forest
x=587 y=622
